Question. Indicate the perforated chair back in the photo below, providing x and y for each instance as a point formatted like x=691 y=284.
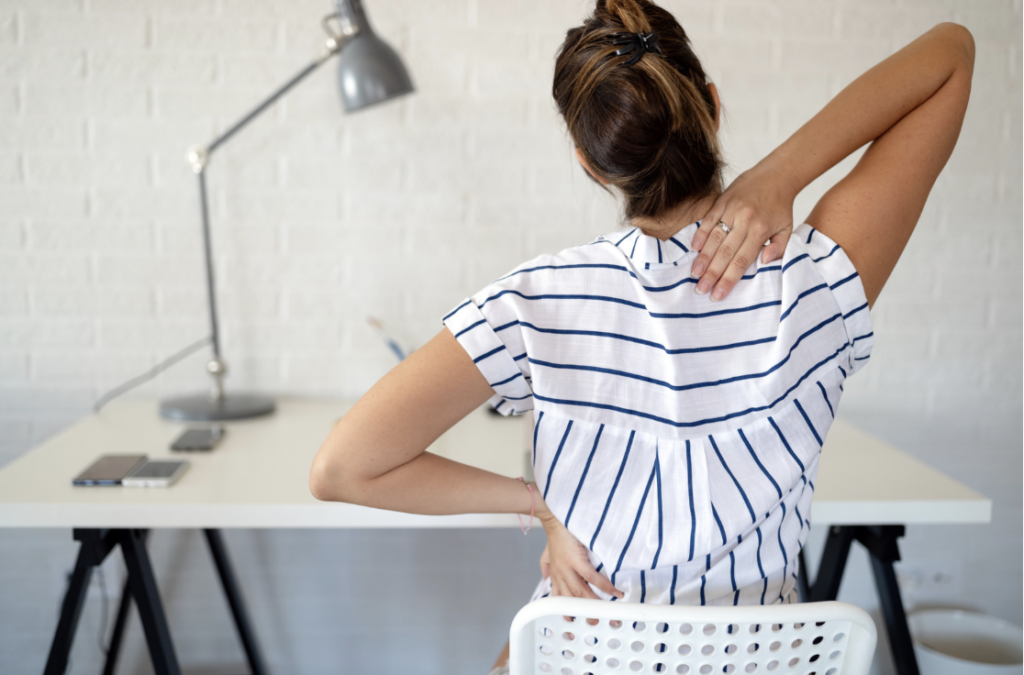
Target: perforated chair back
x=576 y=636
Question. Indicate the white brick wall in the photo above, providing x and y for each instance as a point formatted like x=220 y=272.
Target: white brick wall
x=320 y=219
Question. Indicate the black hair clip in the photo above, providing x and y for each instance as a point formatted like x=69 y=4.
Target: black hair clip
x=638 y=43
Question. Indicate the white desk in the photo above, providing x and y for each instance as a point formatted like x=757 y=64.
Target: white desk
x=257 y=478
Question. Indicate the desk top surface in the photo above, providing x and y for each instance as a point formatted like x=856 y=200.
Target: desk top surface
x=257 y=476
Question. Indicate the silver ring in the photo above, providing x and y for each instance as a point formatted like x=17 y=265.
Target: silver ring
x=725 y=227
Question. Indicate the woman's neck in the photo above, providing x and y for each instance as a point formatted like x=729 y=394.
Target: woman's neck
x=676 y=218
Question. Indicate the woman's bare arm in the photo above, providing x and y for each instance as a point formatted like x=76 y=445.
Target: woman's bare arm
x=873 y=211
x=376 y=456
x=910 y=108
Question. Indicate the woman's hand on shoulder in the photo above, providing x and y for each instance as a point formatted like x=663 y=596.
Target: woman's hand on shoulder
x=565 y=561
x=757 y=207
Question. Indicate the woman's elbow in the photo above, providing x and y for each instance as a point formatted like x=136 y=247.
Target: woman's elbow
x=326 y=481
x=319 y=481
x=963 y=41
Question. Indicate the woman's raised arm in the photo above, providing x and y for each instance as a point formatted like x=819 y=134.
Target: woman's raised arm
x=910 y=107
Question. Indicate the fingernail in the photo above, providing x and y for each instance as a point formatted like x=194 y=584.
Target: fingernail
x=697 y=243
x=703 y=287
x=697 y=270
x=718 y=294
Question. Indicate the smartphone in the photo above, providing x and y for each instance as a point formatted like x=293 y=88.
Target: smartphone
x=109 y=470
x=202 y=439
x=156 y=473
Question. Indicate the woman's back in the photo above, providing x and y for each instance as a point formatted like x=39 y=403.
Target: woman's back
x=670 y=429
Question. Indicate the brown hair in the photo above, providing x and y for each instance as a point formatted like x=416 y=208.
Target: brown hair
x=647 y=129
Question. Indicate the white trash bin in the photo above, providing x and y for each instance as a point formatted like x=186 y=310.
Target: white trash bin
x=954 y=642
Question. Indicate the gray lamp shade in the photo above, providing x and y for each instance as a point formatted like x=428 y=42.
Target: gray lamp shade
x=370 y=72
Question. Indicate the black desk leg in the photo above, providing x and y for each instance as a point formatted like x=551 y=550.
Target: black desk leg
x=70 y=612
x=95 y=545
x=141 y=585
x=833 y=564
x=114 y=648
x=881 y=543
x=803 y=589
x=147 y=597
x=884 y=549
x=234 y=596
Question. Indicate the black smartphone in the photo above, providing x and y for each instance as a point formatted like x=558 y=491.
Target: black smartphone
x=199 y=440
x=109 y=470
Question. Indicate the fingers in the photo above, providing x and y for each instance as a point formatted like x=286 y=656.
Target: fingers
x=776 y=247
x=713 y=240
x=725 y=247
x=602 y=583
x=708 y=224
x=582 y=590
x=571 y=583
x=566 y=563
x=737 y=267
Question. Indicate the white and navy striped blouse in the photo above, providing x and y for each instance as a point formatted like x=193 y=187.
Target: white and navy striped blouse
x=676 y=437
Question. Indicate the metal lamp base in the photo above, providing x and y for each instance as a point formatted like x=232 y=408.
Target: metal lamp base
x=200 y=408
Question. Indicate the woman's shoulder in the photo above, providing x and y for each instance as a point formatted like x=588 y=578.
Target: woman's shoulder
x=810 y=243
x=826 y=267
x=811 y=250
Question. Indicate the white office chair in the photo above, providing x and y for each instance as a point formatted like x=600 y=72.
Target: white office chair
x=575 y=636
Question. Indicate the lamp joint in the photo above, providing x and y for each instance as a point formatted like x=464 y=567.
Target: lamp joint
x=198 y=156
x=339 y=28
x=217 y=370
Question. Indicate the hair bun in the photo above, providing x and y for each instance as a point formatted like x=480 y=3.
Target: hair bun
x=650 y=129
x=629 y=12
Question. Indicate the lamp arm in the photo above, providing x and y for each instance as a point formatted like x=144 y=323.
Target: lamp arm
x=269 y=101
x=199 y=157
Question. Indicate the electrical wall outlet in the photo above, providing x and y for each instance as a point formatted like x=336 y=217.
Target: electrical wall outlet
x=930 y=580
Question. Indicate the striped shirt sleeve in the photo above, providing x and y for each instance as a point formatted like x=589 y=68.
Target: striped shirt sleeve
x=844 y=282
x=494 y=349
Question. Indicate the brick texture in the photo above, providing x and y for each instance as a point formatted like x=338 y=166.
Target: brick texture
x=320 y=219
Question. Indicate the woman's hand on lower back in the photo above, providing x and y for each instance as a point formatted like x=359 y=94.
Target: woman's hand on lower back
x=757 y=207
x=565 y=561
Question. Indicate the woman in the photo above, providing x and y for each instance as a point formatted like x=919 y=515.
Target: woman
x=684 y=371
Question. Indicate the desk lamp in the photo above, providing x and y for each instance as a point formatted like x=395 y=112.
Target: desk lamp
x=369 y=72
